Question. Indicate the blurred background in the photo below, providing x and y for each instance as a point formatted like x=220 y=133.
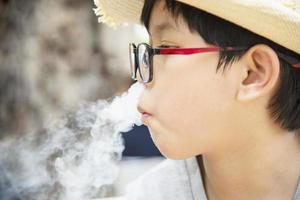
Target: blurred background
x=54 y=55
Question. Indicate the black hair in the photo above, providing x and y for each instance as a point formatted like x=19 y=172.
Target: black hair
x=284 y=106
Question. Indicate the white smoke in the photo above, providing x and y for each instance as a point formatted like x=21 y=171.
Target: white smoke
x=75 y=158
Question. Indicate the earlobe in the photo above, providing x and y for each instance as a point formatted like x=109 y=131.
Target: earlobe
x=261 y=73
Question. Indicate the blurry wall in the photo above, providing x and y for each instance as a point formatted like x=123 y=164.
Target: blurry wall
x=53 y=55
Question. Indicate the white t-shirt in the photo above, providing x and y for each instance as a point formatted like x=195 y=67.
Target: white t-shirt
x=172 y=180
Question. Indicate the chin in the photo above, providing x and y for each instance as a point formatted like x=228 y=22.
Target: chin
x=172 y=154
x=170 y=151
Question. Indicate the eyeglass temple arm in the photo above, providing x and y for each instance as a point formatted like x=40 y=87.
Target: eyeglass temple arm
x=187 y=51
x=297 y=65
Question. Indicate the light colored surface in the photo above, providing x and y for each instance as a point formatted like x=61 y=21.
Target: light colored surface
x=131 y=168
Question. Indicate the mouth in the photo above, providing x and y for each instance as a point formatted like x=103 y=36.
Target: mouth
x=144 y=113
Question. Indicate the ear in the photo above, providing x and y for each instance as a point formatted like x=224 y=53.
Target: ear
x=261 y=72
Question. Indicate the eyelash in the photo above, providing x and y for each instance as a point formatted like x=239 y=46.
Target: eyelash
x=166 y=46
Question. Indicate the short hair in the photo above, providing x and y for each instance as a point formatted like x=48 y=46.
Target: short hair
x=284 y=105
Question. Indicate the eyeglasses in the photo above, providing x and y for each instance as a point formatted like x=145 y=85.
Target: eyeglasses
x=141 y=57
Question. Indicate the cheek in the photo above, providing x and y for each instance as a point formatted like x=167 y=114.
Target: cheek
x=191 y=103
x=189 y=93
x=186 y=110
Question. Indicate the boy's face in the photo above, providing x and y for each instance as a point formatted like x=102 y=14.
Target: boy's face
x=192 y=107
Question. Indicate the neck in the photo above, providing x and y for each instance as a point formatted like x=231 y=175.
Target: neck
x=268 y=168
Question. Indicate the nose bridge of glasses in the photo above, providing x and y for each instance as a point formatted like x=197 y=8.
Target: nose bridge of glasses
x=133 y=60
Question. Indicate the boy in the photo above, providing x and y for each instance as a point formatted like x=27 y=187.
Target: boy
x=221 y=98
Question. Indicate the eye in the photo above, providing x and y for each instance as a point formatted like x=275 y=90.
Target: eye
x=166 y=46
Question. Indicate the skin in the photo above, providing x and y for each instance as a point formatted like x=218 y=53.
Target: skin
x=223 y=117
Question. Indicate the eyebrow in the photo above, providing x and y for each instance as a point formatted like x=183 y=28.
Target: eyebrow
x=160 y=28
x=165 y=26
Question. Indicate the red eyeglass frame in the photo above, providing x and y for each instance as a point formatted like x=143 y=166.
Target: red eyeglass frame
x=185 y=51
x=189 y=51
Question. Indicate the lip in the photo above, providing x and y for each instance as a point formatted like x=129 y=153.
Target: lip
x=144 y=113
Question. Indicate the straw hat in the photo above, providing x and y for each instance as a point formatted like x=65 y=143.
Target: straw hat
x=277 y=20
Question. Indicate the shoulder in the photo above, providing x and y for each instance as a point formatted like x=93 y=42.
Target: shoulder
x=169 y=180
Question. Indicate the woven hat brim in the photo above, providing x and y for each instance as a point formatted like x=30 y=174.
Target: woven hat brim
x=277 y=20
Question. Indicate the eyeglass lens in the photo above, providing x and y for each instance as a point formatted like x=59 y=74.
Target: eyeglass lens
x=144 y=62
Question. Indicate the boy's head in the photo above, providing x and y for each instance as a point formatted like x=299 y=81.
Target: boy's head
x=202 y=103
